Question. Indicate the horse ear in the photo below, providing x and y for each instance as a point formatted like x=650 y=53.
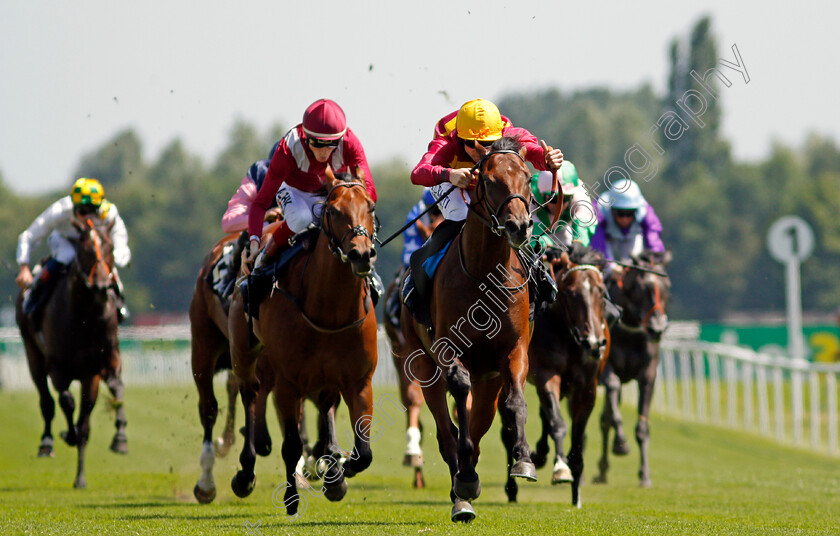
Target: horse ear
x=359 y=173
x=565 y=261
x=522 y=152
x=667 y=257
x=330 y=175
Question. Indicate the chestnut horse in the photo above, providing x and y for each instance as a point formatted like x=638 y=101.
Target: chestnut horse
x=478 y=340
x=567 y=353
x=318 y=333
x=643 y=294
x=210 y=351
x=77 y=340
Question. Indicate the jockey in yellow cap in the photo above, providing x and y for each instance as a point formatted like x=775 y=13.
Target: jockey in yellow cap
x=87 y=198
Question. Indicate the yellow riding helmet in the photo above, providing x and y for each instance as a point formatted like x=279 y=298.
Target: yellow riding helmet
x=479 y=120
x=87 y=192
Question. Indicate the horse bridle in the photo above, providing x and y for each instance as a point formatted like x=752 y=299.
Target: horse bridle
x=657 y=305
x=493 y=222
x=89 y=280
x=573 y=329
x=335 y=245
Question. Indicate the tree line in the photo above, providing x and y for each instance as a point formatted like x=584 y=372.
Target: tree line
x=715 y=210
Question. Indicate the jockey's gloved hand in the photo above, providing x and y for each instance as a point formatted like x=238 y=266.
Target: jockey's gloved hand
x=249 y=255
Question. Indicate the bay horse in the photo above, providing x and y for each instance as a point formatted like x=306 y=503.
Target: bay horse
x=567 y=353
x=77 y=340
x=478 y=341
x=210 y=353
x=642 y=291
x=318 y=334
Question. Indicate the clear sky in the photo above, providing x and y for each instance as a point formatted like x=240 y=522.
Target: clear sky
x=74 y=73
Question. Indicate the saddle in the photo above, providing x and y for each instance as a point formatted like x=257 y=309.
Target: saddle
x=254 y=294
x=417 y=287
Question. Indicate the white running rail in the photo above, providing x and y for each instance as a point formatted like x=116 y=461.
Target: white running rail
x=150 y=356
x=735 y=387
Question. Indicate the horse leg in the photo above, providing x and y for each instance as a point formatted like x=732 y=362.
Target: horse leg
x=225 y=442
x=326 y=450
x=119 y=443
x=609 y=417
x=262 y=441
x=514 y=411
x=288 y=411
x=466 y=484
x=412 y=398
x=90 y=390
x=68 y=407
x=244 y=480
x=244 y=361
x=554 y=425
x=37 y=370
x=581 y=404
x=646 y=382
x=434 y=392
x=360 y=403
x=203 y=368
x=620 y=447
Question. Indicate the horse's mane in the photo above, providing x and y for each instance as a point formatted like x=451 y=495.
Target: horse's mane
x=580 y=254
x=506 y=143
x=345 y=176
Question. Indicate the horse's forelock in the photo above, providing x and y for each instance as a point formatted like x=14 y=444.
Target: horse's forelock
x=506 y=143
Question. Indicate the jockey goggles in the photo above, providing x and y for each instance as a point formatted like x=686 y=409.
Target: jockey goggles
x=320 y=144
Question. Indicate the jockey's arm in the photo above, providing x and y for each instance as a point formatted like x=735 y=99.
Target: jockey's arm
x=119 y=234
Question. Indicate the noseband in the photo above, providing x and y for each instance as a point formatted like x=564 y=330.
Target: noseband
x=335 y=245
x=573 y=329
x=657 y=306
x=483 y=200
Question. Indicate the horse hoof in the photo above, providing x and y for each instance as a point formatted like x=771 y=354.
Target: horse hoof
x=600 y=479
x=69 y=438
x=336 y=492
x=204 y=497
x=263 y=449
x=119 y=445
x=539 y=459
x=80 y=483
x=523 y=469
x=563 y=476
x=241 y=485
x=462 y=512
x=621 y=448
x=222 y=447
x=45 y=449
x=466 y=491
x=645 y=483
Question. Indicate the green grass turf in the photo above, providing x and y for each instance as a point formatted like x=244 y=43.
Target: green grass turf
x=706 y=481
